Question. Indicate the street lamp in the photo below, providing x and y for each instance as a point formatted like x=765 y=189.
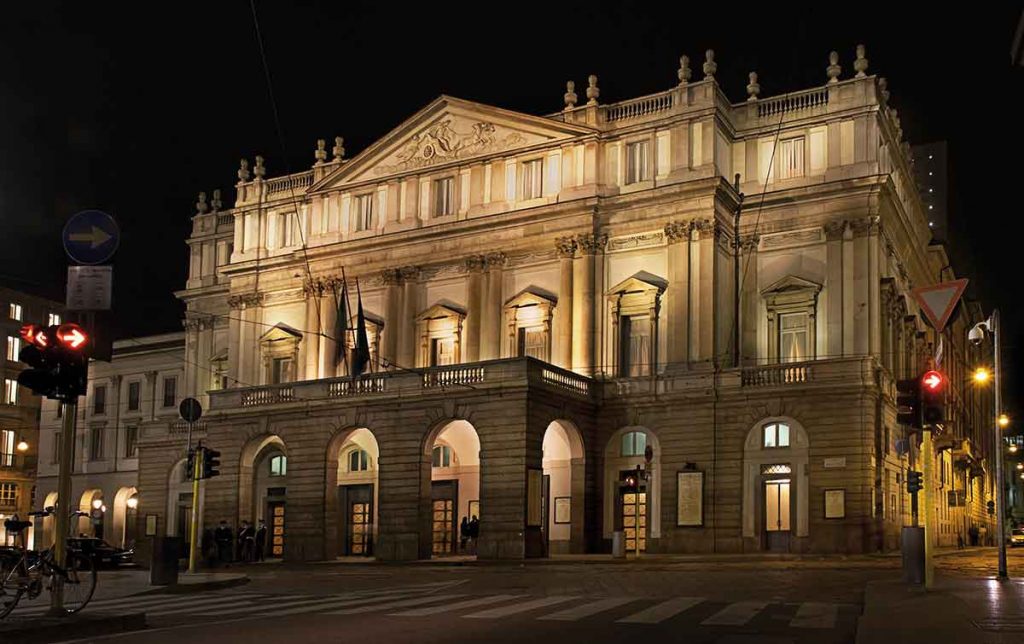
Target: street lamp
x=981 y=375
x=97 y=504
x=976 y=336
x=22 y=445
x=133 y=502
x=1004 y=421
x=1020 y=466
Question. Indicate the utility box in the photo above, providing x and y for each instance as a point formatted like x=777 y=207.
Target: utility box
x=619 y=544
x=163 y=570
x=912 y=544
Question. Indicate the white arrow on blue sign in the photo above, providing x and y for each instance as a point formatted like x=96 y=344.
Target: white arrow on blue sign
x=91 y=237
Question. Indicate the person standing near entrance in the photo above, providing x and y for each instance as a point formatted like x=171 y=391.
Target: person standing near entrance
x=222 y=537
x=474 y=531
x=261 y=540
x=463 y=533
x=246 y=542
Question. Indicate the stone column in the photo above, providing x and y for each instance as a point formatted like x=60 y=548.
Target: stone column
x=702 y=312
x=475 y=297
x=874 y=287
x=566 y=248
x=249 y=332
x=490 y=318
x=392 y=314
x=234 y=339
x=834 y=288
x=849 y=337
x=678 y=294
x=204 y=350
x=313 y=289
x=410 y=308
x=151 y=387
x=750 y=302
x=583 y=303
x=329 y=317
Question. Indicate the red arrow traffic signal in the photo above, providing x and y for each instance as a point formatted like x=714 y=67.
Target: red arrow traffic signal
x=72 y=336
x=932 y=381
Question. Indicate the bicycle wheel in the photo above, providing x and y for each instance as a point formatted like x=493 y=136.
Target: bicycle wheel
x=11 y=588
x=80 y=582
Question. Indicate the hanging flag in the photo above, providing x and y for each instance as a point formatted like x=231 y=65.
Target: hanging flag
x=362 y=353
x=938 y=354
x=340 y=331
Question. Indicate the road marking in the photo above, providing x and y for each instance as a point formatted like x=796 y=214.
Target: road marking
x=660 y=612
x=395 y=604
x=735 y=614
x=469 y=603
x=815 y=615
x=522 y=607
x=337 y=601
x=202 y=606
x=586 y=610
x=283 y=602
x=141 y=603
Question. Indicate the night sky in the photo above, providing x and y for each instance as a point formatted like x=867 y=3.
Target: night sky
x=133 y=108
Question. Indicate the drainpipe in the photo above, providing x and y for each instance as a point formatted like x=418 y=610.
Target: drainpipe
x=736 y=245
x=880 y=459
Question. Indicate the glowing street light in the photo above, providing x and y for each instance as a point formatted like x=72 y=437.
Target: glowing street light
x=133 y=502
x=23 y=445
x=981 y=375
x=1013 y=448
x=1004 y=421
x=97 y=504
x=1020 y=466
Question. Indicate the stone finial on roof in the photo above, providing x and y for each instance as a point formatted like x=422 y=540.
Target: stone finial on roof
x=216 y=203
x=201 y=206
x=861 y=63
x=570 y=95
x=710 y=66
x=833 y=68
x=260 y=170
x=753 y=88
x=243 y=170
x=684 y=72
x=592 y=90
x=339 y=148
x=320 y=154
x=883 y=88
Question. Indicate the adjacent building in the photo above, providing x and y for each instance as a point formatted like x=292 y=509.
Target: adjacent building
x=677 y=317
x=931 y=175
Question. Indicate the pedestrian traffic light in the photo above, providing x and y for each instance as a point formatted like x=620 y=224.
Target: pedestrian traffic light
x=991 y=507
x=913 y=481
x=908 y=402
x=211 y=461
x=933 y=398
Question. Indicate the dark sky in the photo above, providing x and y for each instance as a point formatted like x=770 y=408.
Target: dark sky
x=134 y=108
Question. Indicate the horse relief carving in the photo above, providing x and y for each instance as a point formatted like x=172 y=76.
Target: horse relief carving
x=441 y=143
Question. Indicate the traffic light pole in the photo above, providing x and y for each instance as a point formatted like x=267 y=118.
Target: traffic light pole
x=927 y=468
x=63 y=505
x=193 y=546
x=999 y=487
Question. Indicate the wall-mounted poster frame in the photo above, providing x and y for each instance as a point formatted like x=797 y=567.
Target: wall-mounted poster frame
x=835 y=503
x=563 y=509
x=690 y=498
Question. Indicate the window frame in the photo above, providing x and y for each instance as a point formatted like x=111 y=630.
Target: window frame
x=281 y=469
x=359 y=224
x=531 y=184
x=792 y=158
x=444 y=196
x=776 y=442
x=8 y=494
x=362 y=459
x=136 y=404
x=638 y=151
x=13 y=348
x=634 y=450
x=96 y=443
x=15 y=311
x=444 y=451
x=131 y=441
x=99 y=400
x=10 y=391
x=173 y=392
x=7 y=447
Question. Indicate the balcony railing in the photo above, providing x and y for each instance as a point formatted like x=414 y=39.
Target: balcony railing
x=637 y=107
x=773 y=375
x=19 y=462
x=268 y=395
x=793 y=102
x=453 y=376
x=566 y=380
x=370 y=384
x=291 y=183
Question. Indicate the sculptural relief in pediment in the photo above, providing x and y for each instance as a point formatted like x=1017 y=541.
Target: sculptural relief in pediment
x=450 y=139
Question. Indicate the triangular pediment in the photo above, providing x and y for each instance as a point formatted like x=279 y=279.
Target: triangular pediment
x=448 y=131
x=442 y=310
x=792 y=283
x=279 y=332
x=531 y=296
x=639 y=282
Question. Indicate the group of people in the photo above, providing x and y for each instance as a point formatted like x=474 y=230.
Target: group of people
x=247 y=546
x=469 y=531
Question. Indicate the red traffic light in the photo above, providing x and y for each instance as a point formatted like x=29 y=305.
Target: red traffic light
x=34 y=334
x=932 y=381
x=72 y=336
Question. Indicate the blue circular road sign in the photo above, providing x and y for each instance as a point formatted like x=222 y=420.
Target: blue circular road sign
x=91 y=237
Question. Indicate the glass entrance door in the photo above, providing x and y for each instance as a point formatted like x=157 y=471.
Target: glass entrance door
x=443 y=526
x=776 y=511
x=276 y=510
x=634 y=520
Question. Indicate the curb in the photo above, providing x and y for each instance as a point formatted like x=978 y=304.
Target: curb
x=74 y=627
x=203 y=586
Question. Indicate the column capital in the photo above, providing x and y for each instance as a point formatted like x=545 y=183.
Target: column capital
x=495 y=260
x=750 y=242
x=245 y=300
x=565 y=247
x=391 y=276
x=313 y=287
x=410 y=273
x=590 y=243
x=834 y=229
x=871 y=225
x=475 y=263
x=677 y=231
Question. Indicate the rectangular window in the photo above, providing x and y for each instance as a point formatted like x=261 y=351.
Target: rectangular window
x=95 y=443
x=134 y=389
x=13 y=348
x=54 y=319
x=14 y=311
x=635 y=346
x=637 y=164
x=99 y=401
x=791 y=158
x=793 y=337
x=287 y=230
x=131 y=441
x=6 y=447
x=8 y=494
x=532 y=343
x=280 y=370
x=278 y=465
x=10 y=391
x=444 y=196
x=363 y=212
x=170 y=391
x=533 y=177
x=776 y=435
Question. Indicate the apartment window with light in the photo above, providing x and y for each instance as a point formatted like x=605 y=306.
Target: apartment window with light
x=358 y=461
x=8 y=494
x=134 y=390
x=10 y=391
x=170 y=391
x=6 y=447
x=637 y=164
x=278 y=465
x=793 y=336
x=791 y=158
x=776 y=435
x=14 y=311
x=441 y=456
x=364 y=212
x=13 y=348
x=131 y=441
x=54 y=319
x=96 y=443
x=533 y=178
x=444 y=196
x=99 y=401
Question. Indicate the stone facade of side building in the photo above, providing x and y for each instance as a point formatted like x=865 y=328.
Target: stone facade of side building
x=550 y=303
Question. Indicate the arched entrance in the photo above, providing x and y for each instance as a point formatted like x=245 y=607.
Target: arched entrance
x=775 y=486
x=563 y=488
x=263 y=484
x=352 y=475
x=636 y=510
x=453 y=455
x=94 y=523
x=123 y=519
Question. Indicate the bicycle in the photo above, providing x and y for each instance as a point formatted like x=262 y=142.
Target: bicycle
x=28 y=572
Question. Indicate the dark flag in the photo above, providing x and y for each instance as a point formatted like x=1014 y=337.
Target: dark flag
x=362 y=354
x=340 y=331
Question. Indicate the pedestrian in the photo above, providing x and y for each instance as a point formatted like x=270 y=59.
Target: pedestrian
x=474 y=532
x=972 y=534
x=261 y=540
x=246 y=542
x=959 y=540
x=464 y=532
x=222 y=537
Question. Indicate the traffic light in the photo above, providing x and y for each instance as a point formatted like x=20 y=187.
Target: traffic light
x=628 y=482
x=908 y=402
x=913 y=481
x=190 y=465
x=933 y=398
x=58 y=360
x=37 y=353
x=991 y=507
x=210 y=463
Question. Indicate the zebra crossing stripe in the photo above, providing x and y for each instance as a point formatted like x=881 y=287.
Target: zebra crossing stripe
x=338 y=601
x=203 y=605
x=815 y=615
x=395 y=604
x=445 y=608
x=586 y=610
x=132 y=602
x=522 y=607
x=291 y=600
x=735 y=614
x=660 y=612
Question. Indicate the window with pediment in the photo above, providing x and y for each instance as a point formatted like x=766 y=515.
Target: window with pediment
x=374 y=328
x=528 y=323
x=279 y=348
x=791 y=305
x=635 y=308
x=440 y=331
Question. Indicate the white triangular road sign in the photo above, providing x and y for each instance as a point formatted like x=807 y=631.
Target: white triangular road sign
x=937 y=301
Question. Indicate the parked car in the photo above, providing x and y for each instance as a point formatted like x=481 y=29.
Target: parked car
x=1017 y=537
x=103 y=554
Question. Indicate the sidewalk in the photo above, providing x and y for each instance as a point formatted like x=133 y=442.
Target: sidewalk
x=123 y=583
x=957 y=610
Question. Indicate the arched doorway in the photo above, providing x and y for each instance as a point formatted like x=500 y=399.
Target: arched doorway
x=453 y=454
x=94 y=523
x=775 y=486
x=123 y=519
x=352 y=465
x=563 y=488
x=636 y=511
x=263 y=484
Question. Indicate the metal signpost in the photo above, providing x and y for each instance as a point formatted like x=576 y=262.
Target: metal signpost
x=191 y=411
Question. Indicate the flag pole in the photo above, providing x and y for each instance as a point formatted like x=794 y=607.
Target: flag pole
x=341 y=342
x=348 y=313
